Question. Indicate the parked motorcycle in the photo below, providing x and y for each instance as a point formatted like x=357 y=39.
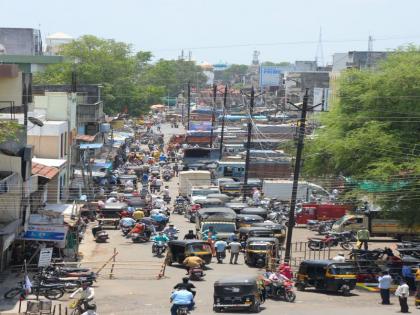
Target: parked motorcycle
x=167 y=199
x=329 y=241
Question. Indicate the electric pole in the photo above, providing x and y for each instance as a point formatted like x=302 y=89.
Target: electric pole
x=188 y=105
x=298 y=161
x=248 y=143
x=223 y=123
x=213 y=115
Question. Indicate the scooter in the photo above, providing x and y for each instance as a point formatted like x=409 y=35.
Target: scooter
x=99 y=234
x=125 y=230
x=282 y=290
x=140 y=238
x=158 y=248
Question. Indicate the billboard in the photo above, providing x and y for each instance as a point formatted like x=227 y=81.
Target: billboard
x=45 y=232
x=270 y=76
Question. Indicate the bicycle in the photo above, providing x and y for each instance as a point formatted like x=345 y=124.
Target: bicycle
x=50 y=293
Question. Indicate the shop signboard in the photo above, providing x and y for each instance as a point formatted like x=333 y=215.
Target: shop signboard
x=52 y=233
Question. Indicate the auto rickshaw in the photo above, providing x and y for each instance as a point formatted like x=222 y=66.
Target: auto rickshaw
x=246 y=220
x=110 y=214
x=236 y=206
x=326 y=275
x=258 y=249
x=279 y=230
x=231 y=189
x=246 y=232
x=178 y=250
x=222 y=197
x=237 y=293
x=255 y=210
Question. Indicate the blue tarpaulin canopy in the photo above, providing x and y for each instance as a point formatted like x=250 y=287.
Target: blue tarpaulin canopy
x=84 y=146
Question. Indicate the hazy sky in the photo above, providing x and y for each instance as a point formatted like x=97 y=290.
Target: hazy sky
x=228 y=29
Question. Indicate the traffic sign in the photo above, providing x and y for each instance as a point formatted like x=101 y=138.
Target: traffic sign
x=45 y=256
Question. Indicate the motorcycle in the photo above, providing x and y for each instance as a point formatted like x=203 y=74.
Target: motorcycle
x=282 y=290
x=179 y=208
x=140 y=238
x=167 y=199
x=166 y=176
x=172 y=235
x=158 y=248
x=126 y=229
x=101 y=237
x=182 y=310
x=329 y=241
x=196 y=274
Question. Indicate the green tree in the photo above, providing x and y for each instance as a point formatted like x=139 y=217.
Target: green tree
x=110 y=63
x=372 y=133
x=233 y=74
x=8 y=130
x=281 y=64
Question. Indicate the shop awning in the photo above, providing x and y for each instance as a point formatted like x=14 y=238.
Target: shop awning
x=85 y=146
x=86 y=138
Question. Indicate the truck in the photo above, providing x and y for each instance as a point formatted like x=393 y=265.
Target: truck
x=376 y=226
x=188 y=179
x=200 y=155
x=321 y=212
x=222 y=219
x=282 y=190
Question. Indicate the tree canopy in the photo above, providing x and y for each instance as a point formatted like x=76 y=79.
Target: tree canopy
x=129 y=79
x=371 y=134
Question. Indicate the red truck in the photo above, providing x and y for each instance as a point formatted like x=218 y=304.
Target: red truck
x=321 y=212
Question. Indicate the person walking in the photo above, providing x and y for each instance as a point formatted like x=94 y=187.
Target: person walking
x=234 y=248
x=403 y=292
x=384 y=284
x=363 y=238
x=175 y=168
x=220 y=246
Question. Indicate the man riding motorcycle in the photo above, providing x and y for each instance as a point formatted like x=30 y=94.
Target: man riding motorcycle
x=186 y=284
x=171 y=231
x=190 y=235
x=193 y=262
x=160 y=238
x=181 y=298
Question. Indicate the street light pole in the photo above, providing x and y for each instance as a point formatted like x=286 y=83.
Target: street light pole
x=188 y=105
x=248 y=143
x=213 y=115
x=223 y=123
x=298 y=162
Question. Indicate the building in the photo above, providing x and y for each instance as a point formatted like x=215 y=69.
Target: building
x=23 y=47
x=316 y=82
x=55 y=41
x=16 y=180
x=357 y=60
x=21 y=41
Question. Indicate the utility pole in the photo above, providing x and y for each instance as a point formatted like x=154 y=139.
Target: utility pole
x=213 y=114
x=248 y=143
x=298 y=161
x=188 y=105
x=223 y=123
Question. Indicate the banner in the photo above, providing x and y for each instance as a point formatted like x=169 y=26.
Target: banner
x=52 y=233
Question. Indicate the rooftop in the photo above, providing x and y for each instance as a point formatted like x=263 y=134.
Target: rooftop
x=49 y=162
x=44 y=171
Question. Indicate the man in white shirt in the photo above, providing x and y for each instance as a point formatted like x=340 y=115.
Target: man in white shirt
x=403 y=292
x=234 y=248
x=256 y=196
x=384 y=284
x=86 y=295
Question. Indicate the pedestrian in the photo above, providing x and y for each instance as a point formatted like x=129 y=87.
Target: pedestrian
x=409 y=277
x=363 y=238
x=234 y=248
x=403 y=292
x=220 y=246
x=175 y=168
x=384 y=284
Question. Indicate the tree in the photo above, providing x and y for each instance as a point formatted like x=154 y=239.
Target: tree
x=233 y=74
x=280 y=64
x=106 y=62
x=8 y=130
x=371 y=134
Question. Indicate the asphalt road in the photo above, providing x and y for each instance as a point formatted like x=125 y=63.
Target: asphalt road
x=134 y=288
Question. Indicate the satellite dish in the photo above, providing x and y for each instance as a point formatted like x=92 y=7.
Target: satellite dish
x=36 y=121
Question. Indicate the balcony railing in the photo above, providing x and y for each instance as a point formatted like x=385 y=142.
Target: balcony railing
x=90 y=112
